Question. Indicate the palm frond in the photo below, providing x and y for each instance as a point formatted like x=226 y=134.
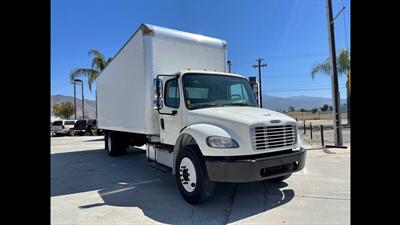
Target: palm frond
x=96 y=54
x=92 y=77
x=98 y=62
x=343 y=61
x=323 y=68
x=75 y=73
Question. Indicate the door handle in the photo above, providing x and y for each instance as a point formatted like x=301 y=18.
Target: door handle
x=174 y=112
x=162 y=123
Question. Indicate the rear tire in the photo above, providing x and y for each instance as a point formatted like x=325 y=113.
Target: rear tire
x=191 y=175
x=115 y=143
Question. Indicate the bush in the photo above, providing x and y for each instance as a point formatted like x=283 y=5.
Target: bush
x=63 y=110
x=325 y=108
x=314 y=110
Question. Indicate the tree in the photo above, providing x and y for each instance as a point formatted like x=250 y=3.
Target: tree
x=291 y=109
x=330 y=108
x=314 y=110
x=324 y=108
x=99 y=62
x=63 y=110
x=302 y=110
x=343 y=67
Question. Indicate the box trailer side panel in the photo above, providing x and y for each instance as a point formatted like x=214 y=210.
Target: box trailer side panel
x=125 y=87
x=122 y=91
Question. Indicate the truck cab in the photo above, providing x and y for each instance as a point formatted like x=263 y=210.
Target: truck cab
x=218 y=114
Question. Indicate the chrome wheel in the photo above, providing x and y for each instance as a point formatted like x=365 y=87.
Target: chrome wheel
x=187 y=173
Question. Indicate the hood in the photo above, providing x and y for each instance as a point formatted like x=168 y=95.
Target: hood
x=240 y=114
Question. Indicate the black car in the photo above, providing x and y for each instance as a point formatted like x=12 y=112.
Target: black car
x=92 y=127
x=80 y=127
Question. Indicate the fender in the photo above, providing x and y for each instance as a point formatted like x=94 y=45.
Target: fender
x=197 y=134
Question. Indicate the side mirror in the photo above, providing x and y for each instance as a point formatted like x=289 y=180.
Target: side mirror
x=158 y=93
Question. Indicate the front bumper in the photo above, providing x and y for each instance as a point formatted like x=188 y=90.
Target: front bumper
x=253 y=168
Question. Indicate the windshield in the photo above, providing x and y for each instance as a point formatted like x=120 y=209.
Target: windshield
x=209 y=90
x=69 y=122
x=80 y=123
x=57 y=123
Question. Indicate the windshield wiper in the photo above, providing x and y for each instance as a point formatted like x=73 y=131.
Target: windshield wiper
x=205 y=105
x=239 y=104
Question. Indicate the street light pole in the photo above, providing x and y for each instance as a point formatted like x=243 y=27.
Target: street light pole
x=75 y=99
x=83 y=103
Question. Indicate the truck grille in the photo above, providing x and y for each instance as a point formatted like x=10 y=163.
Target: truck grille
x=271 y=137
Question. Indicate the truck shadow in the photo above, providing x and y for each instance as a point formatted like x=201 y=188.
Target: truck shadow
x=129 y=181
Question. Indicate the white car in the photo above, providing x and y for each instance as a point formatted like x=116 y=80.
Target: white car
x=63 y=127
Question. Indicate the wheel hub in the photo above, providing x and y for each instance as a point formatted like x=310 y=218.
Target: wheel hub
x=187 y=174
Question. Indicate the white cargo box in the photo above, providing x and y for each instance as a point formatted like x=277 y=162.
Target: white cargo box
x=125 y=86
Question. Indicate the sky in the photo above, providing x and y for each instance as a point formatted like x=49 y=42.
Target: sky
x=290 y=35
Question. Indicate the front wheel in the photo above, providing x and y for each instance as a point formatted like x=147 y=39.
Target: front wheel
x=191 y=175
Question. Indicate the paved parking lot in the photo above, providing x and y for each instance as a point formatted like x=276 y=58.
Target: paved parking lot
x=89 y=187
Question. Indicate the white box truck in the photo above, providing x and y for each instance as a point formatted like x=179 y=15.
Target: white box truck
x=169 y=90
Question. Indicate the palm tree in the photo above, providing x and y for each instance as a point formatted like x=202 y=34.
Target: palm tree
x=99 y=62
x=343 y=67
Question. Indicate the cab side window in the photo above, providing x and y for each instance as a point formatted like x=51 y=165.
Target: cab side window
x=172 y=93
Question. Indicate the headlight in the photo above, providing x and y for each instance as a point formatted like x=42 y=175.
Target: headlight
x=221 y=142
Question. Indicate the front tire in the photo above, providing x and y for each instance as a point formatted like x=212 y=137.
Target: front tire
x=191 y=175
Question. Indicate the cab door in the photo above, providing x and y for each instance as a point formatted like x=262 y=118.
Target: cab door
x=170 y=113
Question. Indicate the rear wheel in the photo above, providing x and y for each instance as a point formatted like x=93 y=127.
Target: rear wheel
x=71 y=132
x=115 y=143
x=191 y=175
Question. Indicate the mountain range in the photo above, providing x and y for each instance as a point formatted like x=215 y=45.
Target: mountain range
x=298 y=102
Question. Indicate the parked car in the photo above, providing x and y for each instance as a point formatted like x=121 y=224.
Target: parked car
x=52 y=134
x=92 y=127
x=80 y=127
x=63 y=127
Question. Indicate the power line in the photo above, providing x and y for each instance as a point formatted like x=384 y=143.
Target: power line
x=281 y=57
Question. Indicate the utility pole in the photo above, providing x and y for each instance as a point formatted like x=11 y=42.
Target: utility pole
x=259 y=65
x=75 y=99
x=337 y=126
x=229 y=65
